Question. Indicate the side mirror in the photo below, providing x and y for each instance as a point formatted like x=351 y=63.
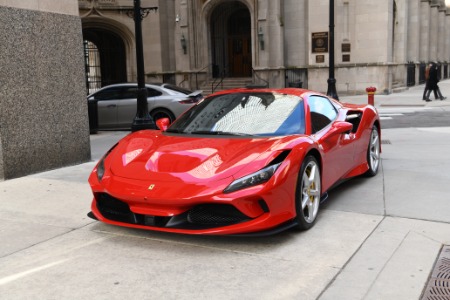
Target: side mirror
x=338 y=128
x=163 y=123
x=342 y=127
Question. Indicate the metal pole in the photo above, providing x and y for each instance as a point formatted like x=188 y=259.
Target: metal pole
x=142 y=120
x=331 y=80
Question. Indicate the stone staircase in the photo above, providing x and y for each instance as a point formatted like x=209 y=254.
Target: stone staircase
x=227 y=83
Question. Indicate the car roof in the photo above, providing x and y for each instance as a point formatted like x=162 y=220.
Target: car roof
x=169 y=88
x=132 y=84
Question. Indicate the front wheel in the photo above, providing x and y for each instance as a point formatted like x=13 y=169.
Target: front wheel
x=373 y=153
x=308 y=193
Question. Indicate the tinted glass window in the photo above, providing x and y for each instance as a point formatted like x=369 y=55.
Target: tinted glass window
x=153 y=92
x=244 y=113
x=108 y=94
x=129 y=93
x=322 y=112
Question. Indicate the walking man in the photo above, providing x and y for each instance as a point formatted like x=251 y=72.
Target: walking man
x=432 y=84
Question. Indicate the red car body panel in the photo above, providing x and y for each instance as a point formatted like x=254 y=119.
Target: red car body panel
x=162 y=175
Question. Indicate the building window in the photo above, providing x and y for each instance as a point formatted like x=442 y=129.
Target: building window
x=92 y=67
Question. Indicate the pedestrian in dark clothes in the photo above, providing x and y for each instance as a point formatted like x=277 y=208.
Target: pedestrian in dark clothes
x=427 y=76
x=433 y=80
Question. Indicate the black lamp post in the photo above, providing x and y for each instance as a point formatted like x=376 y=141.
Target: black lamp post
x=142 y=120
x=331 y=80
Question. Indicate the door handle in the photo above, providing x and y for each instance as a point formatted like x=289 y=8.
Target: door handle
x=111 y=106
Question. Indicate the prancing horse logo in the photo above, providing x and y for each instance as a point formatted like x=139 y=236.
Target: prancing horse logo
x=151 y=187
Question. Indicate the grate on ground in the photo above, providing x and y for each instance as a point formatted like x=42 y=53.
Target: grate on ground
x=438 y=286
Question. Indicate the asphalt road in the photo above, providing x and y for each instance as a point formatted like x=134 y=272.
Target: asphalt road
x=414 y=116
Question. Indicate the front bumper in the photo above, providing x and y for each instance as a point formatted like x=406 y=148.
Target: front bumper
x=207 y=219
x=193 y=208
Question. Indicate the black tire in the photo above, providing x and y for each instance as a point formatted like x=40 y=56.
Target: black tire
x=160 y=113
x=308 y=193
x=373 y=153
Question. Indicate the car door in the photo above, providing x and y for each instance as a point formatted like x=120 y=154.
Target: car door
x=127 y=105
x=107 y=107
x=155 y=95
x=338 y=149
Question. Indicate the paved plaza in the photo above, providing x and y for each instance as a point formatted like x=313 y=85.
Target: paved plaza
x=376 y=238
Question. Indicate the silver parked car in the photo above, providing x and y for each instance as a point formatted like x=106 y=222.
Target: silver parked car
x=117 y=103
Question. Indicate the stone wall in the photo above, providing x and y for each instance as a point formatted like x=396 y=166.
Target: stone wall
x=43 y=109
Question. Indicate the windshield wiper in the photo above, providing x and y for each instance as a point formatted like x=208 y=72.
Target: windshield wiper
x=174 y=130
x=219 y=133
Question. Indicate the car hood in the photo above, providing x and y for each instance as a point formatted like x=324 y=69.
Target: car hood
x=152 y=155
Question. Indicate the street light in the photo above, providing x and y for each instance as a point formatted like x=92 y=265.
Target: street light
x=142 y=120
x=331 y=80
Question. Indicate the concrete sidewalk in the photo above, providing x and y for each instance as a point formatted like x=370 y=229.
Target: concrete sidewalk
x=410 y=97
x=375 y=238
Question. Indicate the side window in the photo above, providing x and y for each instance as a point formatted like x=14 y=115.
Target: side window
x=129 y=93
x=108 y=94
x=153 y=92
x=322 y=112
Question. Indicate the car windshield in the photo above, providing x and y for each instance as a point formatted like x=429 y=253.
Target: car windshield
x=244 y=114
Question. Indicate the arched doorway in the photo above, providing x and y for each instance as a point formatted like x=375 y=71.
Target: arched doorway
x=231 y=40
x=105 y=58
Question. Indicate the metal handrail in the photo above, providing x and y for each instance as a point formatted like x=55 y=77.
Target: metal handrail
x=196 y=74
x=213 y=88
x=184 y=79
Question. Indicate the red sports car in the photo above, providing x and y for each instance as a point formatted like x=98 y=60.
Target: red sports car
x=243 y=161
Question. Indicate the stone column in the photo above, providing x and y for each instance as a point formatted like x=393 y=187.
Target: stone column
x=183 y=32
x=401 y=19
x=434 y=29
x=295 y=33
x=413 y=31
x=261 y=34
x=275 y=34
x=441 y=34
x=270 y=28
x=447 y=36
x=424 y=30
x=43 y=108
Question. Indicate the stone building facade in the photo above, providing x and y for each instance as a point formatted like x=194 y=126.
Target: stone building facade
x=383 y=43
x=43 y=110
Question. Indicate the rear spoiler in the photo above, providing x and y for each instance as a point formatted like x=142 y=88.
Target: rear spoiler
x=195 y=94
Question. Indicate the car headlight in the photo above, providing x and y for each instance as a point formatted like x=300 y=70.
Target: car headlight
x=101 y=164
x=101 y=169
x=256 y=178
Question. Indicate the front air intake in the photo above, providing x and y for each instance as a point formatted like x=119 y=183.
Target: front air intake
x=215 y=214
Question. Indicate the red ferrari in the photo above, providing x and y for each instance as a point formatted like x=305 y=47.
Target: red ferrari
x=243 y=161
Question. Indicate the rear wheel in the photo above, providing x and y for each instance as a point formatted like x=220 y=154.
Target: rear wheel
x=373 y=153
x=308 y=193
x=160 y=113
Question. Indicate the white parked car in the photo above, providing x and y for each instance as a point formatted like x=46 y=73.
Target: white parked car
x=117 y=103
